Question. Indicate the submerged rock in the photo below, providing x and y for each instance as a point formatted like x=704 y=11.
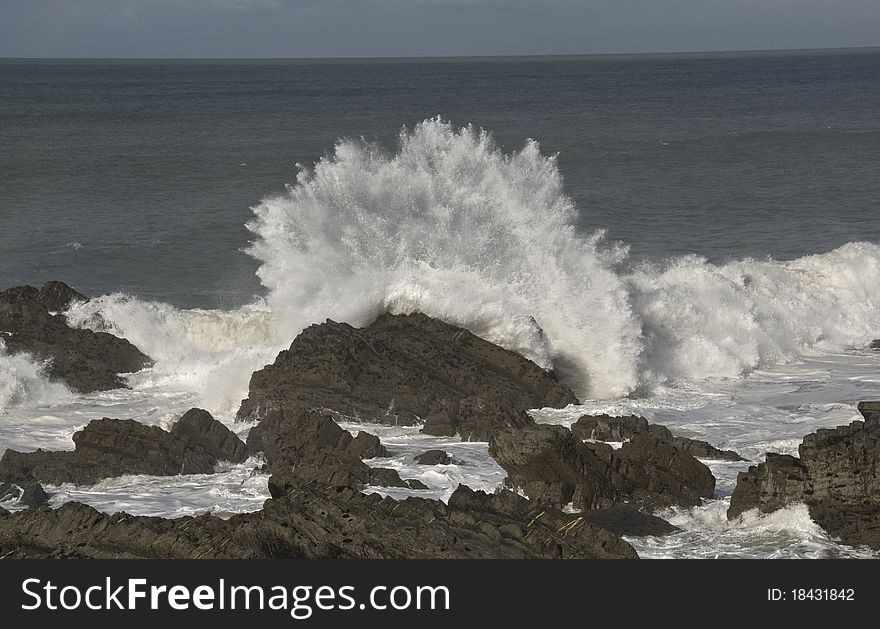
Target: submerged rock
x=608 y=428
x=108 y=448
x=837 y=476
x=404 y=370
x=875 y=344
x=553 y=466
x=85 y=361
x=317 y=522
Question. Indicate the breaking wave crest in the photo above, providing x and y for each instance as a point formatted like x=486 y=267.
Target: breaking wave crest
x=451 y=226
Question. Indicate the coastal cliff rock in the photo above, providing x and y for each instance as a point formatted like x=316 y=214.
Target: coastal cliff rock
x=837 y=476
x=616 y=429
x=108 y=448
x=403 y=370
x=319 y=523
x=85 y=361
x=553 y=466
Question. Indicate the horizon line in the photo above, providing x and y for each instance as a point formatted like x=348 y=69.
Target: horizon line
x=679 y=53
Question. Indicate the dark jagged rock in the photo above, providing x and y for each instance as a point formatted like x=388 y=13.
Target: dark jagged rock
x=107 y=448
x=625 y=520
x=414 y=483
x=199 y=427
x=779 y=481
x=837 y=476
x=25 y=489
x=434 y=457
x=319 y=522
x=608 y=428
x=367 y=446
x=552 y=466
x=402 y=370
x=303 y=446
x=85 y=361
x=875 y=344
x=705 y=450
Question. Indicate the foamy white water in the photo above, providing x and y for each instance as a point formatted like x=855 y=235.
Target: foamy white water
x=749 y=355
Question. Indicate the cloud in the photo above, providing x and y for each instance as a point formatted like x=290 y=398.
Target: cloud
x=317 y=28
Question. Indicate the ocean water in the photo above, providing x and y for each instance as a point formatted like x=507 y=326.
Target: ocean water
x=694 y=239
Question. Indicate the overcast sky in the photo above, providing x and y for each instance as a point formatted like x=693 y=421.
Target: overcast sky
x=358 y=28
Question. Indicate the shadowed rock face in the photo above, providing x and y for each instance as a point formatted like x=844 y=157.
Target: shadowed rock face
x=608 y=428
x=85 y=361
x=552 y=466
x=837 y=476
x=319 y=522
x=107 y=448
x=404 y=369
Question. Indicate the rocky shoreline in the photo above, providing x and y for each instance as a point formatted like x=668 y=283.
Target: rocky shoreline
x=569 y=492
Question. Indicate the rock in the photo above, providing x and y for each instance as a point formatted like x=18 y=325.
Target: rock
x=319 y=522
x=608 y=428
x=552 y=466
x=199 y=427
x=25 y=489
x=871 y=412
x=85 y=361
x=616 y=429
x=385 y=477
x=625 y=520
x=875 y=344
x=434 y=457
x=837 y=476
x=58 y=296
x=705 y=450
x=404 y=370
x=108 y=448
x=414 y=483
x=367 y=446
x=303 y=446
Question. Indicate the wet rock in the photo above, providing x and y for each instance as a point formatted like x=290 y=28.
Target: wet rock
x=705 y=450
x=552 y=466
x=386 y=477
x=414 y=483
x=405 y=370
x=433 y=457
x=25 y=489
x=303 y=446
x=198 y=427
x=108 y=448
x=616 y=429
x=625 y=520
x=875 y=344
x=319 y=522
x=837 y=475
x=367 y=446
x=85 y=361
